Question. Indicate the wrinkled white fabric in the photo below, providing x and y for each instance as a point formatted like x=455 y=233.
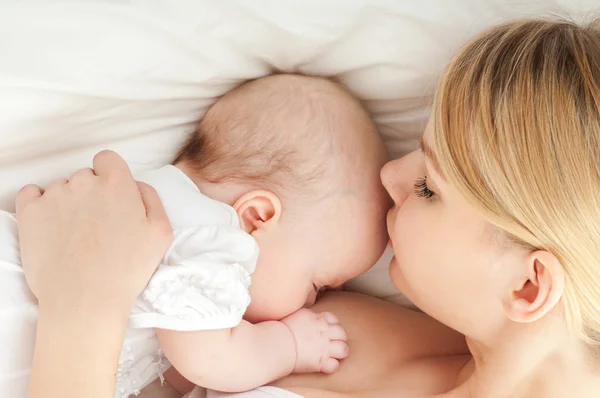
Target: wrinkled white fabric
x=135 y=76
x=18 y=314
x=201 y=284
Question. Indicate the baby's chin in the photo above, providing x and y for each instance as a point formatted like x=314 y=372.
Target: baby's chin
x=396 y=274
x=254 y=316
x=257 y=313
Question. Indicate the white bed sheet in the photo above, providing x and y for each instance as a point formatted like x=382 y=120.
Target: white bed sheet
x=80 y=76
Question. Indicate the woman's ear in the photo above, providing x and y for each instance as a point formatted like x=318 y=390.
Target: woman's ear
x=258 y=210
x=539 y=291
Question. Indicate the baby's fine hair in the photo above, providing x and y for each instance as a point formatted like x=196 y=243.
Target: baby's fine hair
x=280 y=132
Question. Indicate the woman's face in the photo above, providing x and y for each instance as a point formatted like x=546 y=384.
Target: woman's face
x=448 y=261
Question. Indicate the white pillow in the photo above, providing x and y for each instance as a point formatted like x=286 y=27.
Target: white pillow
x=77 y=77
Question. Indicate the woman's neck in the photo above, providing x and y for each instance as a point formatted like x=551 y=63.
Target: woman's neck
x=541 y=361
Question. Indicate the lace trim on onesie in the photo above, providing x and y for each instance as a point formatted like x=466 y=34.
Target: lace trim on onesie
x=141 y=362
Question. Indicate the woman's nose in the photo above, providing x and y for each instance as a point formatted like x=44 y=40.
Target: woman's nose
x=398 y=177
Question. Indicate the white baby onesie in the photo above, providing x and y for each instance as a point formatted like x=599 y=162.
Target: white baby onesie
x=201 y=284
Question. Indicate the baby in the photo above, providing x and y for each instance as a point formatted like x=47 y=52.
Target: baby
x=288 y=164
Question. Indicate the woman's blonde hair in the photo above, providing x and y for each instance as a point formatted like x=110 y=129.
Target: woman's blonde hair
x=517 y=132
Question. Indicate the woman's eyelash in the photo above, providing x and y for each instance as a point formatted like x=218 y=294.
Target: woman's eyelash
x=421 y=189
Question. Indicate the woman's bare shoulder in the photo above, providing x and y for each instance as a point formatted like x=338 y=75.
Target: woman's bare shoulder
x=383 y=338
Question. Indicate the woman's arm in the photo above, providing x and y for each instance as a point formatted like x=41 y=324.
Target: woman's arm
x=76 y=356
x=89 y=245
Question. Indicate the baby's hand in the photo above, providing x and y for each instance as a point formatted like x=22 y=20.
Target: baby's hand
x=320 y=341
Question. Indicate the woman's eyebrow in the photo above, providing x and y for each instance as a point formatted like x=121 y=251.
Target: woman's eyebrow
x=428 y=152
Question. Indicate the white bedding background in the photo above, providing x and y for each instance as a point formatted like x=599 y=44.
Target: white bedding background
x=133 y=76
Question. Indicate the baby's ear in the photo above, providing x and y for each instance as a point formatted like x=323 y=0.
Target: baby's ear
x=539 y=290
x=258 y=210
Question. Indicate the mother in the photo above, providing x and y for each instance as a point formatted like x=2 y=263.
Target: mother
x=495 y=228
x=495 y=231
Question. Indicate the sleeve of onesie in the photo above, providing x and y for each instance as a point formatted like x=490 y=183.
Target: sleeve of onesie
x=202 y=283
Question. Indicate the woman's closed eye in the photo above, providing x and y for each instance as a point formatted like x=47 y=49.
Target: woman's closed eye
x=422 y=190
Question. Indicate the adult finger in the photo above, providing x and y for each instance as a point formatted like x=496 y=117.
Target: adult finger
x=330 y=365
x=338 y=349
x=26 y=195
x=336 y=332
x=57 y=183
x=108 y=161
x=155 y=210
x=82 y=173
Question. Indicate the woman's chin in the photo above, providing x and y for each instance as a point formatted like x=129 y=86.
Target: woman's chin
x=400 y=283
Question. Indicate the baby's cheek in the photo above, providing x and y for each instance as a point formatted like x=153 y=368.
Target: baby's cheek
x=287 y=303
x=256 y=313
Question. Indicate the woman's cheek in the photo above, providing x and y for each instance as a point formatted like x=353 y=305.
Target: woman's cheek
x=409 y=228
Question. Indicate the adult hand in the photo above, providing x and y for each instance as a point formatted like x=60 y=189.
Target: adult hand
x=91 y=242
x=89 y=245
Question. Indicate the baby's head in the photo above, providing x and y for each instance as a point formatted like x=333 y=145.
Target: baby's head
x=298 y=158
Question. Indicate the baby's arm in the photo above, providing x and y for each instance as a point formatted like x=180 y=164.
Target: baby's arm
x=232 y=360
x=249 y=356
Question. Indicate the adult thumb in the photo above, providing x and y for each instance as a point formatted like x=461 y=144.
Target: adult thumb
x=155 y=211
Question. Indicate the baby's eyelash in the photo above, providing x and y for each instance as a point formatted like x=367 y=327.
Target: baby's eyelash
x=421 y=189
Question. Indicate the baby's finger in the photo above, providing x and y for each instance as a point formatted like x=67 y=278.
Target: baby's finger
x=336 y=332
x=330 y=318
x=338 y=349
x=330 y=365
